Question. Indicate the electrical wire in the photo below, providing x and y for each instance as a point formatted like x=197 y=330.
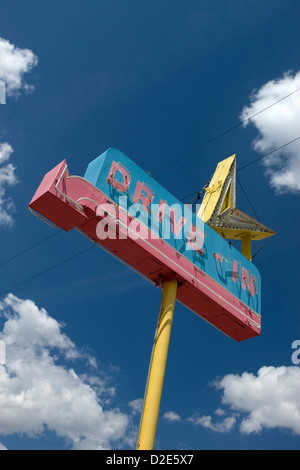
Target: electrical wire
x=267 y=154
x=189 y=195
x=250 y=163
x=47 y=270
x=261 y=248
x=222 y=134
x=245 y=194
x=29 y=248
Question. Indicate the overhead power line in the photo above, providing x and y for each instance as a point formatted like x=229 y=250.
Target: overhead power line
x=246 y=196
x=250 y=163
x=29 y=248
x=222 y=134
x=47 y=270
x=267 y=154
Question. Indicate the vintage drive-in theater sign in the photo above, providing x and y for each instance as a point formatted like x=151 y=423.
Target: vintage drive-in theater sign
x=126 y=212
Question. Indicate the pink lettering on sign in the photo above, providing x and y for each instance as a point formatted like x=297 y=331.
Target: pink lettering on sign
x=161 y=210
x=235 y=271
x=122 y=185
x=176 y=226
x=248 y=281
x=195 y=239
x=218 y=257
x=144 y=194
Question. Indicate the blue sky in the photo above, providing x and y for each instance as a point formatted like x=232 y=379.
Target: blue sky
x=156 y=80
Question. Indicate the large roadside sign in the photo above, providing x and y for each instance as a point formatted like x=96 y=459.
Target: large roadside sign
x=134 y=218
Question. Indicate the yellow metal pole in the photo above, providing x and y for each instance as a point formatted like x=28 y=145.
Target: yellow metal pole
x=157 y=368
x=246 y=247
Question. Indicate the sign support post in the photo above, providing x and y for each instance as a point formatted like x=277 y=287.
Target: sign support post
x=157 y=368
x=246 y=247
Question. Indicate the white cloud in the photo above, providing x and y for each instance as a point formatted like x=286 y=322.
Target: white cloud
x=220 y=412
x=14 y=63
x=276 y=126
x=206 y=421
x=5 y=152
x=171 y=416
x=270 y=399
x=7 y=178
x=136 y=405
x=38 y=391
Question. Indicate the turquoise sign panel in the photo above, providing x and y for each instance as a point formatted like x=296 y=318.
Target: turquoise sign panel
x=136 y=192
